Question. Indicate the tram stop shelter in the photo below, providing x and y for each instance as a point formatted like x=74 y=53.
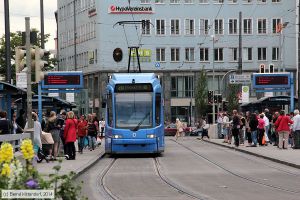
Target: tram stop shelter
x=50 y=103
x=8 y=94
x=275 y=103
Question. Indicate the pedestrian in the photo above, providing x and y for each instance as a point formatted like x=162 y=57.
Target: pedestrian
x=82 y=132
x=226 y=124
x=179 y=128
x=269 y=133
x=296 y=130
x=236 y=124
x=261 y=129
x=274 y=129
x=21 y=120
x=61 y=125
x=282 y=124
x=219 y=124
x=267 y=126
x=92 y=132
x=101 y=127
x=205 y=127
x=253 y=124
x=53 y=128
x=242 y=129
x=5 y=125
x=247 y=127
x=70 y=136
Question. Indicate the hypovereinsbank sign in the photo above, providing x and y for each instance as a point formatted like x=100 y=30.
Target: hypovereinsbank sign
x=113 y=9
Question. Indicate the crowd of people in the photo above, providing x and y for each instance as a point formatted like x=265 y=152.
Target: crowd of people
x=260 y=129
x=57 y=134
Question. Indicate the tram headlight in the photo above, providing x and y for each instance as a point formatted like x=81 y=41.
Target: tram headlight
x=117 y=136
x=150 y=136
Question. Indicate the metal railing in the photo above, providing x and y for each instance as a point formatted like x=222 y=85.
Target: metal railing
x=11 y=138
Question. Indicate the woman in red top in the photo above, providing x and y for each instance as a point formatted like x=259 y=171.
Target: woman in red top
x=82 y=132
x=261 y=129
x=282 y=123
x=70 y=135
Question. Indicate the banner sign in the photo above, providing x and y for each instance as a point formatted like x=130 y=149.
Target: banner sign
x=113 y=9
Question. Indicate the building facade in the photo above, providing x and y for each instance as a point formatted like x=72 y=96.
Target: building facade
x=177 y=39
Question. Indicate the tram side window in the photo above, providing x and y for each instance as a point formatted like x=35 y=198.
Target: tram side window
x=109 y=110
x=157 y=108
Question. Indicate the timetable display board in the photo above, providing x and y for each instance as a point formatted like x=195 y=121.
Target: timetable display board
x=63 y=80
x=271 y=80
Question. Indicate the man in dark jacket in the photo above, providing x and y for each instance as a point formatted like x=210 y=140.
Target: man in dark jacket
x=5 y=124
x=21 y=120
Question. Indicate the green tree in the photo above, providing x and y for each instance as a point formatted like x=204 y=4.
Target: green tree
x=201 y=93
x=233 y=99
x=16 y=40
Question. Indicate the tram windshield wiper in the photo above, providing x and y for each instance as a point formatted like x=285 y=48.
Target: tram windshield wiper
x=140 y=123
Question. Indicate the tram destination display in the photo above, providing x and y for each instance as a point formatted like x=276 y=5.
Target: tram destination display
x=133 y=88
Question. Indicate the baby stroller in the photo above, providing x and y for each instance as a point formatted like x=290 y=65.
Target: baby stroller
x=47 y=143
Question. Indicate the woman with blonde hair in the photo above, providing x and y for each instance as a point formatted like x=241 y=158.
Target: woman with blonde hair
x=51 y=127
x=179 y=127
x=70 y=135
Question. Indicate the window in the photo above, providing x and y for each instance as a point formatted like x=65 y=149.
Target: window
x=262 y=26
x=218 y=54
x=275 y=53
x=157 y=109
x=261 y=53
x=247 y=54
x=189 y=54
x=146 y=27
x=161 y=54
x=204 y=55
x=203 y=1
x=247 y=1
x=232 y=1
x=182 y=86
x=218 y=26
x=109 y=110
x=159 y=1
x=174 y=1
x=261 y=1
x=175 y=27
x=234 y=54
x=276 y=25
x=233 y=26
x=145 y=1
x=175 y=57
x=204 y=27
x=188 y=1
x=247 y=26
x=218 y=1
x=189 y=26
x=276 y=1
x=160 y=27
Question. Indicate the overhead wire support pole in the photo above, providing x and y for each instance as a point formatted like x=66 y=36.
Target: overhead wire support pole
x=7 y=41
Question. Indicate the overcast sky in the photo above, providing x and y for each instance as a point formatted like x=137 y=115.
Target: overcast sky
x=19 y=9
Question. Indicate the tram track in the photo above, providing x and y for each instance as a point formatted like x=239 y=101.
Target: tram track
x=174 y=185
x=253 y=160
x=234 y=173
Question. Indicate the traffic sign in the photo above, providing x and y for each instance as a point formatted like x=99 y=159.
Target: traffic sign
x=240 y=79
x=157 y=65
x=21 y=80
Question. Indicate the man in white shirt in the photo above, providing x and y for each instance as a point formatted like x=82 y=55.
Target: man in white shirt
x=296 y=129
x=225 y=127
x=267 y=125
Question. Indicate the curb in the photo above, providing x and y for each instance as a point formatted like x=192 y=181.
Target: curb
x=255 y=154
x=90 y=164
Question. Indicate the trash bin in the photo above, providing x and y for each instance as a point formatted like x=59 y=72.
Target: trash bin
x=297 y=139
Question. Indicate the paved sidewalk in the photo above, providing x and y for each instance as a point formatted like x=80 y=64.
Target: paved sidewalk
x=289 y=157
x=82 y=163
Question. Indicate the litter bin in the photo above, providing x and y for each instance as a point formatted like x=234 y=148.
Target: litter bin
x=297 y=139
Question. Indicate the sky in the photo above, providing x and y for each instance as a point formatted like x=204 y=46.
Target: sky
x=19 y=9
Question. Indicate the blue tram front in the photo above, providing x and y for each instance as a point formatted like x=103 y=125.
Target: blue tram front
x=134 y=114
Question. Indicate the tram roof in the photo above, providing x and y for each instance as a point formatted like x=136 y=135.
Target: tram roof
x=133 y=78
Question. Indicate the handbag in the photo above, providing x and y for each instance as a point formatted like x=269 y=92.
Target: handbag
x=180 y=130
x=46 y=138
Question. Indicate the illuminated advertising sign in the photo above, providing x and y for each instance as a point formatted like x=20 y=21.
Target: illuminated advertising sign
x=113 y=9
x=144 y=55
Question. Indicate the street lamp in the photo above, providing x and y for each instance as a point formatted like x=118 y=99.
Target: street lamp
x=233 y=70
x=213 y=66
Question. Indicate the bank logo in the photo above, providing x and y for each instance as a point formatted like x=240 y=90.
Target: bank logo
x=113 y=9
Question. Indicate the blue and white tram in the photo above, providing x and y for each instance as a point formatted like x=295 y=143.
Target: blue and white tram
x=134 y=114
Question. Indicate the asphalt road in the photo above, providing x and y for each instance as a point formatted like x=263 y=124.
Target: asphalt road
x=191 y=169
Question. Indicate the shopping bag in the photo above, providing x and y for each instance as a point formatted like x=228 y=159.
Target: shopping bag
x=263 y=142
x=46 y=138
x=85 y=142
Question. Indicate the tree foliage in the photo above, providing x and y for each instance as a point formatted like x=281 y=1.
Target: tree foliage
x=15 y=41
x=201 y=93
x=233 y=99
